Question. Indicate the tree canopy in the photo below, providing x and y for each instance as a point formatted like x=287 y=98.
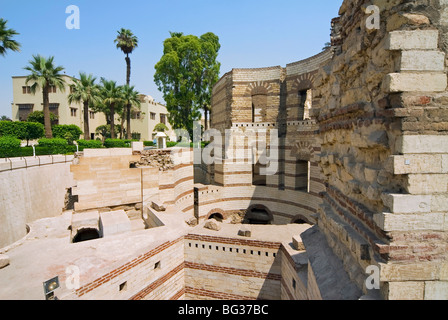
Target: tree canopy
x=6 y=38
x=44 y=74
x=186 y=74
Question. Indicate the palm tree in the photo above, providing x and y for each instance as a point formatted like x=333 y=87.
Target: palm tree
x=112 y=100
x=86 y=91
x=45 y=75
x=130 y=98
x=126 y=41
x=6 y=41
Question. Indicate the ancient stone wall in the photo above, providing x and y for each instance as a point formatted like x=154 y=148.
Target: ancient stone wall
x=116 y=177
x=31 y=188
x=380 y=106
x=268 y=115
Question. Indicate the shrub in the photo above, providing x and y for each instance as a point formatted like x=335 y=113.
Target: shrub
x=22 y=130
x=148 y=143
x=9 y=145
x=160 y=128
x=115 y=143
x=62 y=131
x=91 y=144
x=38 y=116
x=55 y=145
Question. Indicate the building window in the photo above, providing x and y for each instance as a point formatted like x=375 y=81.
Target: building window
x=92 y=115
x=54 y=109
x=258 y=179
x=304 y=96
x=302 y=176
x=123 y=286
x=153 y=116
x=163 y=118
x=24 y=111
x=52 y=89
x=26 y=90
x=73 y=112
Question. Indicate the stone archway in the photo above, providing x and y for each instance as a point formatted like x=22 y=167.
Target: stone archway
x=300 y=219
x=86 y=234
x=258 y=214
x=216 y=214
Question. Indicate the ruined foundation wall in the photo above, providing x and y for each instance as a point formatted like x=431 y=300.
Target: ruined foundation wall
x=260 y=103
x=381 y=108
x=31 y=189
x=106 y=178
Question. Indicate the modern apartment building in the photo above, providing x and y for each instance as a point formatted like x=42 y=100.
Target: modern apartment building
x=143 y=121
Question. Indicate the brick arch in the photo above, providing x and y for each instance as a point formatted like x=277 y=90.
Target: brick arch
x=220 y=211
x=301 y=217
x=262 y=207
x=258 y=88
x=302 y=150
x=303 y=82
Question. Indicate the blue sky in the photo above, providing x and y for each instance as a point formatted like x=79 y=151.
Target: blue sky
x=253 y=33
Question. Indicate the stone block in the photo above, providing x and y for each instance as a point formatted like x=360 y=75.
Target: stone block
x=85 y=219
x=444 y=163
x=212 y=224
x=418 y=82
x=403 y=203
x=425 y=271
x=158 y=206
x=137 y=146
x=406 y=222
x=427 y=183
x=423 y=144
x=245 y=232
x=427 y=163
x=4 y=261
x=436 y=290
x=408 y=290
x=297 y=243
x=413 y=40
x=114 y=222
x=439 y=203
x=420 y=60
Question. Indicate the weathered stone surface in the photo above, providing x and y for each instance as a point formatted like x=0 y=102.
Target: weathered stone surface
x=4 y=261
x=158 y=206
x=409 y=290
x=245 y=231
x=212 y=224
x=415 y=39
x=419 y=82
x=297 y=243
x=420 y=60
x=192 y=222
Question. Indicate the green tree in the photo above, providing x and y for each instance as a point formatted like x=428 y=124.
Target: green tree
x=160 y=128
x=185 y=75
x=111 y=101
x=127 y=42
x=5 y=118
x=44 y=75
x=86 y=91
x=38 y=116
x=6 y=40
x=104 y=131
x=130 y=99
x=210 y=73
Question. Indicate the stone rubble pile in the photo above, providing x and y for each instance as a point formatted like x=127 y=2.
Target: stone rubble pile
x=160 y=159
